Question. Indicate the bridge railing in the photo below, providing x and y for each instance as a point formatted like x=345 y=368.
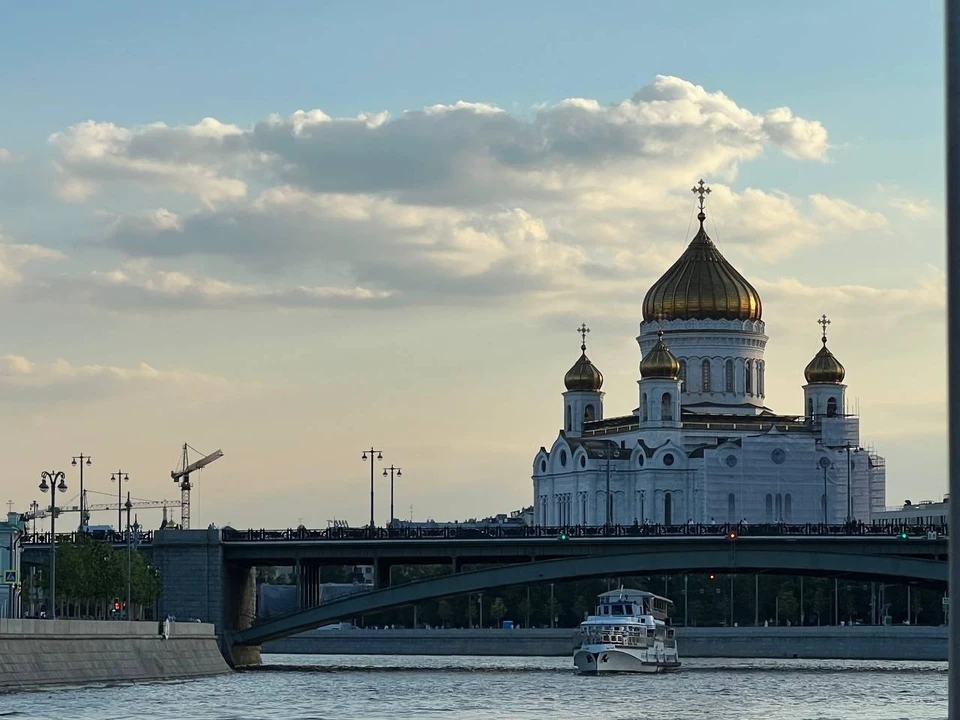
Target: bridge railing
x=107 y=536
x=454 y=532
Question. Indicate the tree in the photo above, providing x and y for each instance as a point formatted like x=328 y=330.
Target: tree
x=788 y=604
x=498 y=609
x=445 y=612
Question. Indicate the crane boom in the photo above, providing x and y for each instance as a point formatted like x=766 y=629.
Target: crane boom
x=198 y=465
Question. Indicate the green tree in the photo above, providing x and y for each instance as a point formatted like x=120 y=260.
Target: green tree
x=788 y=605
x=498 y=609
x=445 y=612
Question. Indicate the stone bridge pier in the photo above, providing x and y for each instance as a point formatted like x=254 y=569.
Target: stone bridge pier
x=197 y=584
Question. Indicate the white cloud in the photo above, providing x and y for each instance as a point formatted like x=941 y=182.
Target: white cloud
x=59 y=380
x=13 y=256
x=913 y=209
x=460 y=154
x=181 y=159
x=6 y=156
x=847 y=215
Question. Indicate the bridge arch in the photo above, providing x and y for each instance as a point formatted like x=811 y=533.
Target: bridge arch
x=890 y=568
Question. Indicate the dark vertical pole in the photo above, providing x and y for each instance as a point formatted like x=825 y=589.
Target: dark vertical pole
x=391 y=496
x=120 y=502
x=372 y=525
x=952 y=8
x=53 y=550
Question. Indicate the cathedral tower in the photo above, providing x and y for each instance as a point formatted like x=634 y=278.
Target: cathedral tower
x=659 y=387
x=824 y=393
x=711 y=316
x=583 y=401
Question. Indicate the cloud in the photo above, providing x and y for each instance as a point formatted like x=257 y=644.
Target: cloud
x=913 y=209
x=460 y=154
x=845 y=215
x=25 y=379
x=190 y=159
x=13 y=256
x=7 y=157
x=137 y=287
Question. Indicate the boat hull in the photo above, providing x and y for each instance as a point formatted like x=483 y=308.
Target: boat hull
x=601 y=660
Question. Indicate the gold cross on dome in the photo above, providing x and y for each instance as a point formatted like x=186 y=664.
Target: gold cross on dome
x=583 y=330
x=701 y=190
x=823 y=322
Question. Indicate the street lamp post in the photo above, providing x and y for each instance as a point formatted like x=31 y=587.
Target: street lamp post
x=825 y=465
x=83 y=509
x=392 y=469
x=120 y=477
x=53 y=481
x=131 y=530
x=374 y=455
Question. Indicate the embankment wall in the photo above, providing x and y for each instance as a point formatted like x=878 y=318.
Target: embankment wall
x=34 y=653
x=841 y=643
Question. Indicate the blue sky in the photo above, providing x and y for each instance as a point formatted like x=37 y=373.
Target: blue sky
x=851 y=217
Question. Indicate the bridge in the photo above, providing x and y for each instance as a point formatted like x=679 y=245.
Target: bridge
x=210 y=574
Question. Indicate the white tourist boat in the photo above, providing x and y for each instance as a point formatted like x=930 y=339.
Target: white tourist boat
x=629 y=633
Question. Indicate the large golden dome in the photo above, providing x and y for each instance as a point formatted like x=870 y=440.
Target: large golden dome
x=702 y=285
x=824 y=368
x=660 y=362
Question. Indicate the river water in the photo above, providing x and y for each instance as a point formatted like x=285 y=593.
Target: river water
x=314 y=687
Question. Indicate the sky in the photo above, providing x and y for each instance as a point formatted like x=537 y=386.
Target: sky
x=296 y=230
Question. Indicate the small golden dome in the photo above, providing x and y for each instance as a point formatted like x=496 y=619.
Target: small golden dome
x=583 y=376
x=824 y=368
x=660 y=362
x=702 y=285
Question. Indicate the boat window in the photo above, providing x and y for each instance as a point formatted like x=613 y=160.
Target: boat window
x=617 y=610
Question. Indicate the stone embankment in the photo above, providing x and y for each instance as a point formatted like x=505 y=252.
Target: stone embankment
x=840 y=643
x=35 y=653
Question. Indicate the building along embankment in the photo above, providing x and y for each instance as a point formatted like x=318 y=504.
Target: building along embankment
x=840 y=643
x=35 y=653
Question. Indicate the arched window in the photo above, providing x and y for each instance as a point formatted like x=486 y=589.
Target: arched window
x=760 y=383
x=769 y=508
x=644 y=415
x=728 y=376
x=588 y=413
x=779 y=516
x=731 y=508
x=788 y=507
x=810 y=407
x=831 y=407
x=666 y=407
x=569 y=418
x=683 y=375
x=748 y=377
x=667 y=509
x=705 y=379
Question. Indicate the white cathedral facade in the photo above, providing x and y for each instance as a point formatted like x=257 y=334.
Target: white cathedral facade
x=701 y=446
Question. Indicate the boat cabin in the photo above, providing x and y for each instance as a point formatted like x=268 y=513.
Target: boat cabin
x=632 y=603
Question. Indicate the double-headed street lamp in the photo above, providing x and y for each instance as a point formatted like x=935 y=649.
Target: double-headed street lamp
x=53 y=481
x=392 y=469
x=120 y=477
x=83 y=510
x=374 y=455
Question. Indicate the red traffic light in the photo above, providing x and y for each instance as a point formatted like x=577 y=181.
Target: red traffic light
x=116 y=605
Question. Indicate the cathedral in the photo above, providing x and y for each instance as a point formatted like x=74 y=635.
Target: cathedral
x=701 y=446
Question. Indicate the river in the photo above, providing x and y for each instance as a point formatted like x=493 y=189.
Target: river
x=302 y=687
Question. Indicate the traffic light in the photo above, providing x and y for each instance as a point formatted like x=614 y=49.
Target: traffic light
x=563 y=535
x=116 y=606
x=903 y=535
x=731 y=535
